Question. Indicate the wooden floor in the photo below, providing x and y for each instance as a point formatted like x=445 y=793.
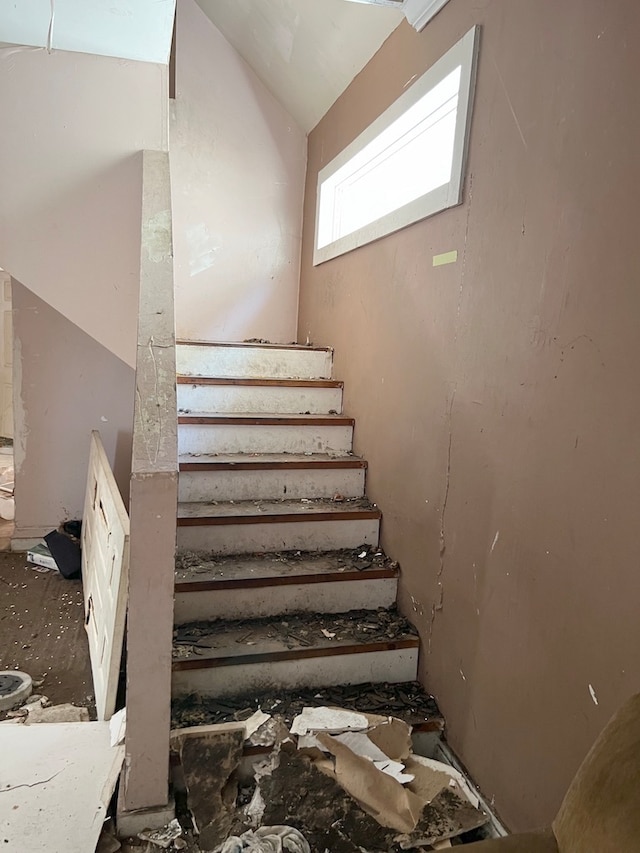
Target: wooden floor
x=42 y=631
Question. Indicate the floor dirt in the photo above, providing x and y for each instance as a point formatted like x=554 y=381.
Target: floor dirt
x=42 y=631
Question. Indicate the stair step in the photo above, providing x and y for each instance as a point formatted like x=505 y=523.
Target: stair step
x=251 y=433
x=226 y=657
x=269 y=396
x=252 y=526
x=209 y=587
x=270 y=476
x=273 y=361
x=407 y=701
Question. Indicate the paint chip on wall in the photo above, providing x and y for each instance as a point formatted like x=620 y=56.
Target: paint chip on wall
x=445 y=258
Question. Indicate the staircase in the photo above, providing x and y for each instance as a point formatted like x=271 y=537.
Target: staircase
x=279 y=581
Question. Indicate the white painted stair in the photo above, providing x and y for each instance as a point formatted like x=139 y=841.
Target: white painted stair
x=273 y=521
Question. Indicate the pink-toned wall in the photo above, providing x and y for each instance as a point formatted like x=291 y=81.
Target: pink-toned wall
x=497 y=399
x=70 y=182
x=237 y=171
x=65 y=385
x=70 y=212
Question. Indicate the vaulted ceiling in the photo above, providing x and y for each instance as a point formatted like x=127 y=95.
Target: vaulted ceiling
x=305 y=51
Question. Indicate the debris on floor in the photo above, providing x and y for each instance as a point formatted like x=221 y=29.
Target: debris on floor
x=163 y=837
x=209 y=757
x=42 y=631
x=39 y=710
x=346 y=781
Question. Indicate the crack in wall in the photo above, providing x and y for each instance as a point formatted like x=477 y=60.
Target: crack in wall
x=438 y=605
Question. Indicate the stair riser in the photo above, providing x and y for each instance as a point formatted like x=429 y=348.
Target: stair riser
x=253 y=362
x=229 y=399
x=280 y=536
x=331 y=597
x=271 y=484
x=220 y=438
x=394 y=665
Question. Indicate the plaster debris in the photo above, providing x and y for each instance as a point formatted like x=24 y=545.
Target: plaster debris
x=163 y=837
x=495 y=540
x=209 y=759
x=592 y=692
x=325 y=719
x=255 y=721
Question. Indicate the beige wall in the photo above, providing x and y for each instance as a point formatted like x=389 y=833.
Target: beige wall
x=66 y=384
x=497 y=398
x=237 y=173
x=70 y=182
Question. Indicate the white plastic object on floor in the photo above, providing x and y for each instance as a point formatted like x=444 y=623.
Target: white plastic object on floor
x=18 y=692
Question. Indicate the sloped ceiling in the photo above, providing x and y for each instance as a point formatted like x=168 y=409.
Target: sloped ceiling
x=305 y=51
x=127 y=29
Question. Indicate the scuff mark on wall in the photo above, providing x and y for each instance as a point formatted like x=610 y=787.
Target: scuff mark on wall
x=156 y=237
x=510 y=105
x=202 y=248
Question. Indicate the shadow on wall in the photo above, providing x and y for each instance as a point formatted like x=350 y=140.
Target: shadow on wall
x=65 y=385
x=86 y=262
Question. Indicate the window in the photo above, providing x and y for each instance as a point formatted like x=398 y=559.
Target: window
x=405 y=166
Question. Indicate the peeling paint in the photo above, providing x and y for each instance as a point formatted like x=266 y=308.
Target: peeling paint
x=156 y=237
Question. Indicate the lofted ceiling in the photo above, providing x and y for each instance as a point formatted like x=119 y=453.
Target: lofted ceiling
x=305 y=51
x=127 y=29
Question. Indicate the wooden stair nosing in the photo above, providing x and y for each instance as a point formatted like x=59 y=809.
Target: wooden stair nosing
x=285 y=465
x=186 y=379
x=266 y=420
x=195 y=586
x=239 y=344
x=294 y=654
x=275 y=518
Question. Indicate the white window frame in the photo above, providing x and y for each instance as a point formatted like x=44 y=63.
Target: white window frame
x=464 y=54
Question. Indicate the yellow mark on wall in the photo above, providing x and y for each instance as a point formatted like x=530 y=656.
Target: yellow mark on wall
x=446 y=258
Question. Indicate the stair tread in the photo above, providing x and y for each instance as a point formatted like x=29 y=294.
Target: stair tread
x=250 y=509
x=193 y=570
x=308 y=460
x=262 y=419
x=201 y=643
x=251 y=345
x=407 y=701
x=265 y=381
